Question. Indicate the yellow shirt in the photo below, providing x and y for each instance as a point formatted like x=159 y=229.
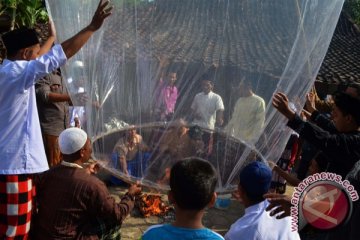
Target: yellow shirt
x=247 y=119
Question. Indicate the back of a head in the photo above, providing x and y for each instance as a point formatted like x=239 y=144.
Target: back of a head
x=192 y=183
x=348 y=105
x=18 y=39
x=255 y=179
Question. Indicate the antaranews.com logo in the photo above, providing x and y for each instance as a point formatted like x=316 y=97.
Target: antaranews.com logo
x=323 y=200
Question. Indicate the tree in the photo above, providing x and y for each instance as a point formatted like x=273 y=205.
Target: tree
x=352 y=7
x=23 y=13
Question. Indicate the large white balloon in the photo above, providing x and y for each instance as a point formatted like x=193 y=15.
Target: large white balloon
x=126 y=71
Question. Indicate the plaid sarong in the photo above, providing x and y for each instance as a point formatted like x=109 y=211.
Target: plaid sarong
x=16 y=194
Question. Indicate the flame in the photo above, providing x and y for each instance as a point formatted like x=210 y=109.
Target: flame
x=151 y=205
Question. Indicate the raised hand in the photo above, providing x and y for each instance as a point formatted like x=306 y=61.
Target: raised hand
x=281 y=103
x=310 y=102
x=102 y=12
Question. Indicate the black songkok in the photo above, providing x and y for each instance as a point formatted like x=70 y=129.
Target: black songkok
x=19 y=39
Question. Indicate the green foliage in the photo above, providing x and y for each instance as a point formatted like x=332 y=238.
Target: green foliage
x=24 y=12
x=9 y=3
x=352 y=7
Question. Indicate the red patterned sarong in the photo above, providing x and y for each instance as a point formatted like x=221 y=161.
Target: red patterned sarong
x=16 y=202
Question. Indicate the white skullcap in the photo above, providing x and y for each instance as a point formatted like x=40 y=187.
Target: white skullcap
x=72 y=140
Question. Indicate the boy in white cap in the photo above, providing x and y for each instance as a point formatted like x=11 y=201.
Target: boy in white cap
x=22 y=151
x=74 y=204
x=255 y=181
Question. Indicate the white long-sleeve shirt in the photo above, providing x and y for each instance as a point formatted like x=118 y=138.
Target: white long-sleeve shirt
x=257 y=224
x=21 y=145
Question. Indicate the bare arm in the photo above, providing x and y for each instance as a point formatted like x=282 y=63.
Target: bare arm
x=63 y=97
x=50 y=41
x=123 y=164
x=293 y=181
x=58 y=97
x=220 y=117
x=74 y=44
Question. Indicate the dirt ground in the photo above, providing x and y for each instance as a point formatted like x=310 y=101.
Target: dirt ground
x=215 y=219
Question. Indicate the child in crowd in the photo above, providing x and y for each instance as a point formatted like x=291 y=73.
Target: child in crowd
x=192 y=184
x=255 y=181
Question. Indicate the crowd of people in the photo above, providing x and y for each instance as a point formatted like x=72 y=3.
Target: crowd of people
x=68 y=201
x=207 y=107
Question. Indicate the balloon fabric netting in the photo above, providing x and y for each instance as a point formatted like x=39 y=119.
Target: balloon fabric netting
x=148 y=72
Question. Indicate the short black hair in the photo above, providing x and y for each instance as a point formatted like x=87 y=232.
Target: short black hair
x=348 y=105
x=18 y=39
x=246 y=82
x=207 y=78
x=193 y=182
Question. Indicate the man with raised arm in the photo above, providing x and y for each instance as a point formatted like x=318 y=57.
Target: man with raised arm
x=21 y=148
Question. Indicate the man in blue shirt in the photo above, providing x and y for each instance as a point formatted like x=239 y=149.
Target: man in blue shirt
x=21 y=148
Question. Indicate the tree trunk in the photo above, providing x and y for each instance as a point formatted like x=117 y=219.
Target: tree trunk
x=13 y=17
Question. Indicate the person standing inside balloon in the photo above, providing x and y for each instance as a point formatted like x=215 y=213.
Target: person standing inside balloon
x=248 y=118
x=22 y=151
x=207 y=109
x=167 y=94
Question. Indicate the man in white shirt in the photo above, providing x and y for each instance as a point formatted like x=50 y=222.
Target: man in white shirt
x=248 y=118
x=257 y=223
x=208 y=107
x=22 y=151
